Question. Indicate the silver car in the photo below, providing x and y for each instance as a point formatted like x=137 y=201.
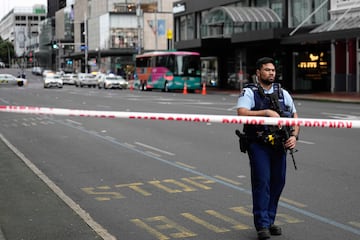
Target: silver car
x=112 y=81
x=69 y=78
x=86 y=79
x=52 y=80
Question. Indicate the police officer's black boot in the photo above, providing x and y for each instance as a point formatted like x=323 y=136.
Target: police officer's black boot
x=263 y=234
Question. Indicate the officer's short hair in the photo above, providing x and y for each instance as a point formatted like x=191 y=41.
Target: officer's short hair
x=264 y=60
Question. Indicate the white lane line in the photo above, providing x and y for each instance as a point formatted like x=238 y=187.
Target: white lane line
x=154 y=148
x=306 y=142
x=74 y=122
x=56 y=189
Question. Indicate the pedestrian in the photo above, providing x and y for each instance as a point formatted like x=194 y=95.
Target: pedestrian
x=267 y=154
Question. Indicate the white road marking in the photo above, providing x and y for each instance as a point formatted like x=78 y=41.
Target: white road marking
x=154 y=148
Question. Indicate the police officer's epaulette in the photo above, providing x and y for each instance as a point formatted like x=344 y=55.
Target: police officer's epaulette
x=252 y=86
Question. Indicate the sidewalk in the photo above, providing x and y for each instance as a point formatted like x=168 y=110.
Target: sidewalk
x=30 y=209
x=322 y=96
x=330 y=97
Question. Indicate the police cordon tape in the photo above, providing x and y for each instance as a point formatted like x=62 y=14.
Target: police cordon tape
x=199 y=118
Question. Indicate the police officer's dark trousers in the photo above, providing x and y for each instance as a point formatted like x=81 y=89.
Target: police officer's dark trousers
x=268 y=170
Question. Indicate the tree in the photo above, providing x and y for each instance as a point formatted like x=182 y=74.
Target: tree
x=6 y=51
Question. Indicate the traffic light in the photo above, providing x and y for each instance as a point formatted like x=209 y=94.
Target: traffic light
x=54 y=45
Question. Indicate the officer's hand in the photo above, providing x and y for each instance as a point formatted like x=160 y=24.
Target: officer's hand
x=291 y=142
x=271 y=113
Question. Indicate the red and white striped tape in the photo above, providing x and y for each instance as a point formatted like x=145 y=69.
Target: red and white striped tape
x=203 y=118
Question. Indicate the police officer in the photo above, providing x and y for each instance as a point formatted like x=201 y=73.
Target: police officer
x=267 y=158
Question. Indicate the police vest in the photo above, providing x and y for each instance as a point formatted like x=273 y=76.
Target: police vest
x=263 y=101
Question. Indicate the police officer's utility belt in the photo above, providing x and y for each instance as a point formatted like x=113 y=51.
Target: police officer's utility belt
x=273 y=138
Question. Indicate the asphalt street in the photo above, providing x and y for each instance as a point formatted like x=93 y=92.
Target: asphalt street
x=141 y=179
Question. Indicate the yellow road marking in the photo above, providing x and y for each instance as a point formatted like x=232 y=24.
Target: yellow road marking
x=204 y=223
x=292 y=202
x=186 y=165
x=356 y=224
x=236 y=225
x=168 y=224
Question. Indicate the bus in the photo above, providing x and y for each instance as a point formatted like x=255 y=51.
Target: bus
x=168 y=70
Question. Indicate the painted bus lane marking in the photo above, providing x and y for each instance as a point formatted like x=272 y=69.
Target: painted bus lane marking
x=118 y=191
x=162 y=227
x=288 y=206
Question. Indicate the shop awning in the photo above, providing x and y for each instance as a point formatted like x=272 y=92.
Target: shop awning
x=338 y=24
x=345 y=28
x=243 y=14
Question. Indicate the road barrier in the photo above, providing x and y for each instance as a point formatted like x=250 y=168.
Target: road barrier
x=198 y=118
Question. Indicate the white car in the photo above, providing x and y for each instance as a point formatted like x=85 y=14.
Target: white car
x=112 y=81
x=46 y=72
x=52 y=80
x=86 y=79
x=8 y=79
x=69 y=78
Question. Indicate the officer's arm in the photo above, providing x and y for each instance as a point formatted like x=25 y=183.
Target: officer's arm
x=257 y=113
x=296 y=129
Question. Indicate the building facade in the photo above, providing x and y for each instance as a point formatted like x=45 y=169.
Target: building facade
x=310 y=55
x=21 y=27
x=108 y=33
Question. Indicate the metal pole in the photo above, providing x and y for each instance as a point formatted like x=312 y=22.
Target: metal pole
x=86 y=43
x=138 y=14
x=99 y=59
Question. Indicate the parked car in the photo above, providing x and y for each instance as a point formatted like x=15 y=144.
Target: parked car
x=112 y=81
x=8 y=79
x=86 y=79
x=52 y=80
x=69 y=78
x=2 y=65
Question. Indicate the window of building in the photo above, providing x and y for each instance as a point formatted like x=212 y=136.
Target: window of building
x=124 y=38
x=183 y=28
x=190 y=26
x=262 y=3
x=197 y=25
x=301 y=9
x=322 y=15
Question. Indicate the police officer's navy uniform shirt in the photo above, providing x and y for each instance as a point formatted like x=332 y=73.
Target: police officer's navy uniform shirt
x=247 y=100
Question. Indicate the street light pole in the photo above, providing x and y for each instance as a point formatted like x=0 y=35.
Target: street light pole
x=86 y=43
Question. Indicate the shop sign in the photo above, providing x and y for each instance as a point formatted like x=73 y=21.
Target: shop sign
x=179 y=8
